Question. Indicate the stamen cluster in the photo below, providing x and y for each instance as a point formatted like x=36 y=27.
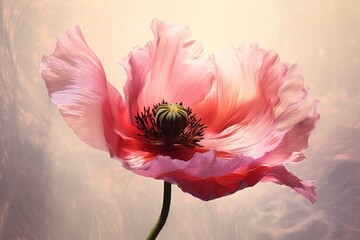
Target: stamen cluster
x=170 y=124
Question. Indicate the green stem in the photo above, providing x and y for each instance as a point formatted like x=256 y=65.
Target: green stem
x=164 y=212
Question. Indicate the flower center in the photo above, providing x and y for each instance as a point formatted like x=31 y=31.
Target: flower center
x=171 y=119
x=169 y=124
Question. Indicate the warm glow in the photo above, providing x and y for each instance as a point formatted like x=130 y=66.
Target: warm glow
x=53 y=186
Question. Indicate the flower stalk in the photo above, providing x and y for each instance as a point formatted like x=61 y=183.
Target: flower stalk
x=164 y=212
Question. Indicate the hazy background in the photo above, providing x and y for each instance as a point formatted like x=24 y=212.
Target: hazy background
x=53 y=186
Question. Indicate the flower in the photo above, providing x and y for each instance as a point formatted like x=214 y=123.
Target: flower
x=212 y=125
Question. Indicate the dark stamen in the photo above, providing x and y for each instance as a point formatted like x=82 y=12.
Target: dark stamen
x=169 y=123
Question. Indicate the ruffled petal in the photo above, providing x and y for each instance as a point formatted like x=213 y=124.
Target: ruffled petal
x=94 y=109
x=208 y=177
x=294 y=103
x=258 y=101
x=205 y=176
x=168 y=68
x=294 y=142
x=281 y=176
x=236 y=96
x=246 y=80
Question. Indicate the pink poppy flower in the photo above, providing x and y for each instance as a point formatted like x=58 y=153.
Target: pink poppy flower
x=212 y=125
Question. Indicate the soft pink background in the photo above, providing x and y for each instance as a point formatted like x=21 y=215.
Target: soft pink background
x=53 y=186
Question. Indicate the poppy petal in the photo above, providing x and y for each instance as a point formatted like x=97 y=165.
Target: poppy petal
x=90 y=105
x=244 y=119
x=197 y=176
x=257 y=100
x=281 y=176
x=208 y=177
x=168 y=68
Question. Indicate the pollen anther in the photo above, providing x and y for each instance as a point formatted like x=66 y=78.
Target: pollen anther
x=171 y=124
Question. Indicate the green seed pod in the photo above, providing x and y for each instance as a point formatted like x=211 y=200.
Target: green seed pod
x=171 y=119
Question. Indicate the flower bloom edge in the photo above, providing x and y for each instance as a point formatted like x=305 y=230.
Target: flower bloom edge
x=257 y=110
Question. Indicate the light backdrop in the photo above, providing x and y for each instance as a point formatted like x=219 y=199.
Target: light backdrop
x=53 y=186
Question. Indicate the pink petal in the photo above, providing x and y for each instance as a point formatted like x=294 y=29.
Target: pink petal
x=294 y=103
x=281 y=176
x=205 y=176
x=244 y=119
x=94 y=109
x=168 y=68
x=258 y=101
x=208 y=177
x=238 y=94
x=294 y=142
x=296 y=116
